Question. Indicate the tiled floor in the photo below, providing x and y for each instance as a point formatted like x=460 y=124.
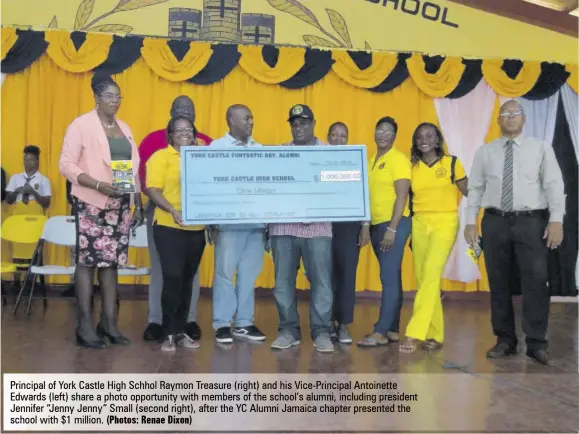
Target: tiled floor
x=513 y=395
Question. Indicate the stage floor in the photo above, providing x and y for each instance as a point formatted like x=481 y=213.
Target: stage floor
x=511 y=395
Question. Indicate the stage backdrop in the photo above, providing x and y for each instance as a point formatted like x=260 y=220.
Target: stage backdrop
x=429 y=27
x=48 y=85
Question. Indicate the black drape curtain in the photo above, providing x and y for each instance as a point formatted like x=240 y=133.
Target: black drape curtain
x=562 y=261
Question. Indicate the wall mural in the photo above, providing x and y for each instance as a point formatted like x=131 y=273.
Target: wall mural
x=427 y=26
x=220 y=20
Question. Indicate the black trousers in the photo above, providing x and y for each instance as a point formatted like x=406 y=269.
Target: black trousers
x=180 y=252
x=345 y=254
x=508 y=242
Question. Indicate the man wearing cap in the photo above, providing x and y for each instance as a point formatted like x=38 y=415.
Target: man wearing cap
x=311 y=242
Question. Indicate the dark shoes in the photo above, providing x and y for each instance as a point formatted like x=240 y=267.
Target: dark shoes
x=193 y=330
x=86 y=343
x=154 y=332
x=223 y=335
x=251 y=333
x=504 y=350
x=539 y=356
x=501 y=350
x=114 y=339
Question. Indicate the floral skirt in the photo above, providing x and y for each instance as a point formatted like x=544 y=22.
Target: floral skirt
x=102 y=235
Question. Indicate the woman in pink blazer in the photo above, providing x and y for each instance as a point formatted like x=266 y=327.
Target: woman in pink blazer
x=92 y=143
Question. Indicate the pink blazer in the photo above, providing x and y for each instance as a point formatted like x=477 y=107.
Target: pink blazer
x=86 y=150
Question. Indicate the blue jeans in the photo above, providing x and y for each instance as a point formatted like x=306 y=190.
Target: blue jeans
x=317 y=256
x=241 y=251
x=390 y=274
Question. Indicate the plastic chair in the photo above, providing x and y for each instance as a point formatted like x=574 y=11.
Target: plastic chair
x=21 y=229
x=138 y=240
x=60 y=231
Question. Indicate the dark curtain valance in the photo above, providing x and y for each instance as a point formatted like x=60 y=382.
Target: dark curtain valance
x=510 y=77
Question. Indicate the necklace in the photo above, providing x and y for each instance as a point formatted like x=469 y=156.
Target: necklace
x=109 y=126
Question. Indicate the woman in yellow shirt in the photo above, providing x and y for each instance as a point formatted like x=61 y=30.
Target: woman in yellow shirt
x=389 y=183
x=436 y=182
x=180 y=247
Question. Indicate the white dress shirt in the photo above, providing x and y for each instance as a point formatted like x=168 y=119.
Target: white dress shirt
x=38 y=182
x=537 y=179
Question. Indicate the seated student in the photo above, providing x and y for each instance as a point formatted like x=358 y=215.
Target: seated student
x=29 y=191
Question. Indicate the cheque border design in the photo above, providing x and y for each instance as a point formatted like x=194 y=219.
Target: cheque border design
x=318 y=219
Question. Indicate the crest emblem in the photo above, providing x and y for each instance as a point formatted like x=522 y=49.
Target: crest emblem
x=381 y=166
x=440 y=172
x=297 y=110
x=36 y=186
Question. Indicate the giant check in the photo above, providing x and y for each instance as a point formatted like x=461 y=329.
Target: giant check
x=274 y=184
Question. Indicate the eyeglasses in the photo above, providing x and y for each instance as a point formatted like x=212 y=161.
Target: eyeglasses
x=385 y=132
x=183 y=130
x=111 y=97
x=508 y=114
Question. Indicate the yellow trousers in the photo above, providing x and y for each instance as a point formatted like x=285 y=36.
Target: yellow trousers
x=433 y=237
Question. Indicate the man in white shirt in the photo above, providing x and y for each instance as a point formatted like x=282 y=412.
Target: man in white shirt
x=238 y=247
x=29 y=186
x=517 y=180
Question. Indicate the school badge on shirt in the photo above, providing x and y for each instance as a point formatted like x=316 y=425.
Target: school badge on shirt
x=440 y=172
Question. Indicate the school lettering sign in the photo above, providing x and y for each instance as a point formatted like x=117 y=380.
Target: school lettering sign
x=427 y=10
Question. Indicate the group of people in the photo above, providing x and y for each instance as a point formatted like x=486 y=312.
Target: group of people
x=416 y=197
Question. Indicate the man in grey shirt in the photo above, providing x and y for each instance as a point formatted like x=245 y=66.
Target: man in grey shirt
x=518 y=181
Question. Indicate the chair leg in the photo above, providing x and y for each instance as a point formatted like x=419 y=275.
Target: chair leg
x=19 y=296
x=44 y=294
x=31 y=294
x=3 y=293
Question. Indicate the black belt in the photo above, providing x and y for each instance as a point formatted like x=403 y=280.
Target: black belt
x=529 y=213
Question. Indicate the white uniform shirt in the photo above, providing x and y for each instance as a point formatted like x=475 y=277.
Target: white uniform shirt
x=38 y=182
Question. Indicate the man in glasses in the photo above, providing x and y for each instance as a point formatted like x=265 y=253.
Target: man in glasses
x=519 y=183
x=182 y=106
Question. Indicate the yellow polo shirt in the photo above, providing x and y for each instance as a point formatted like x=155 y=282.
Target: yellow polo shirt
x=164 y=173
x=432 y=188
x=390 y=167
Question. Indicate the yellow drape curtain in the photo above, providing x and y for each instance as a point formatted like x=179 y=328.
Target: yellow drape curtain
x=503 y=85
x=93 y=52
x=289 y=62
x=347 y=70
x=161 y=59
x=44 y=99
x=442 y=82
